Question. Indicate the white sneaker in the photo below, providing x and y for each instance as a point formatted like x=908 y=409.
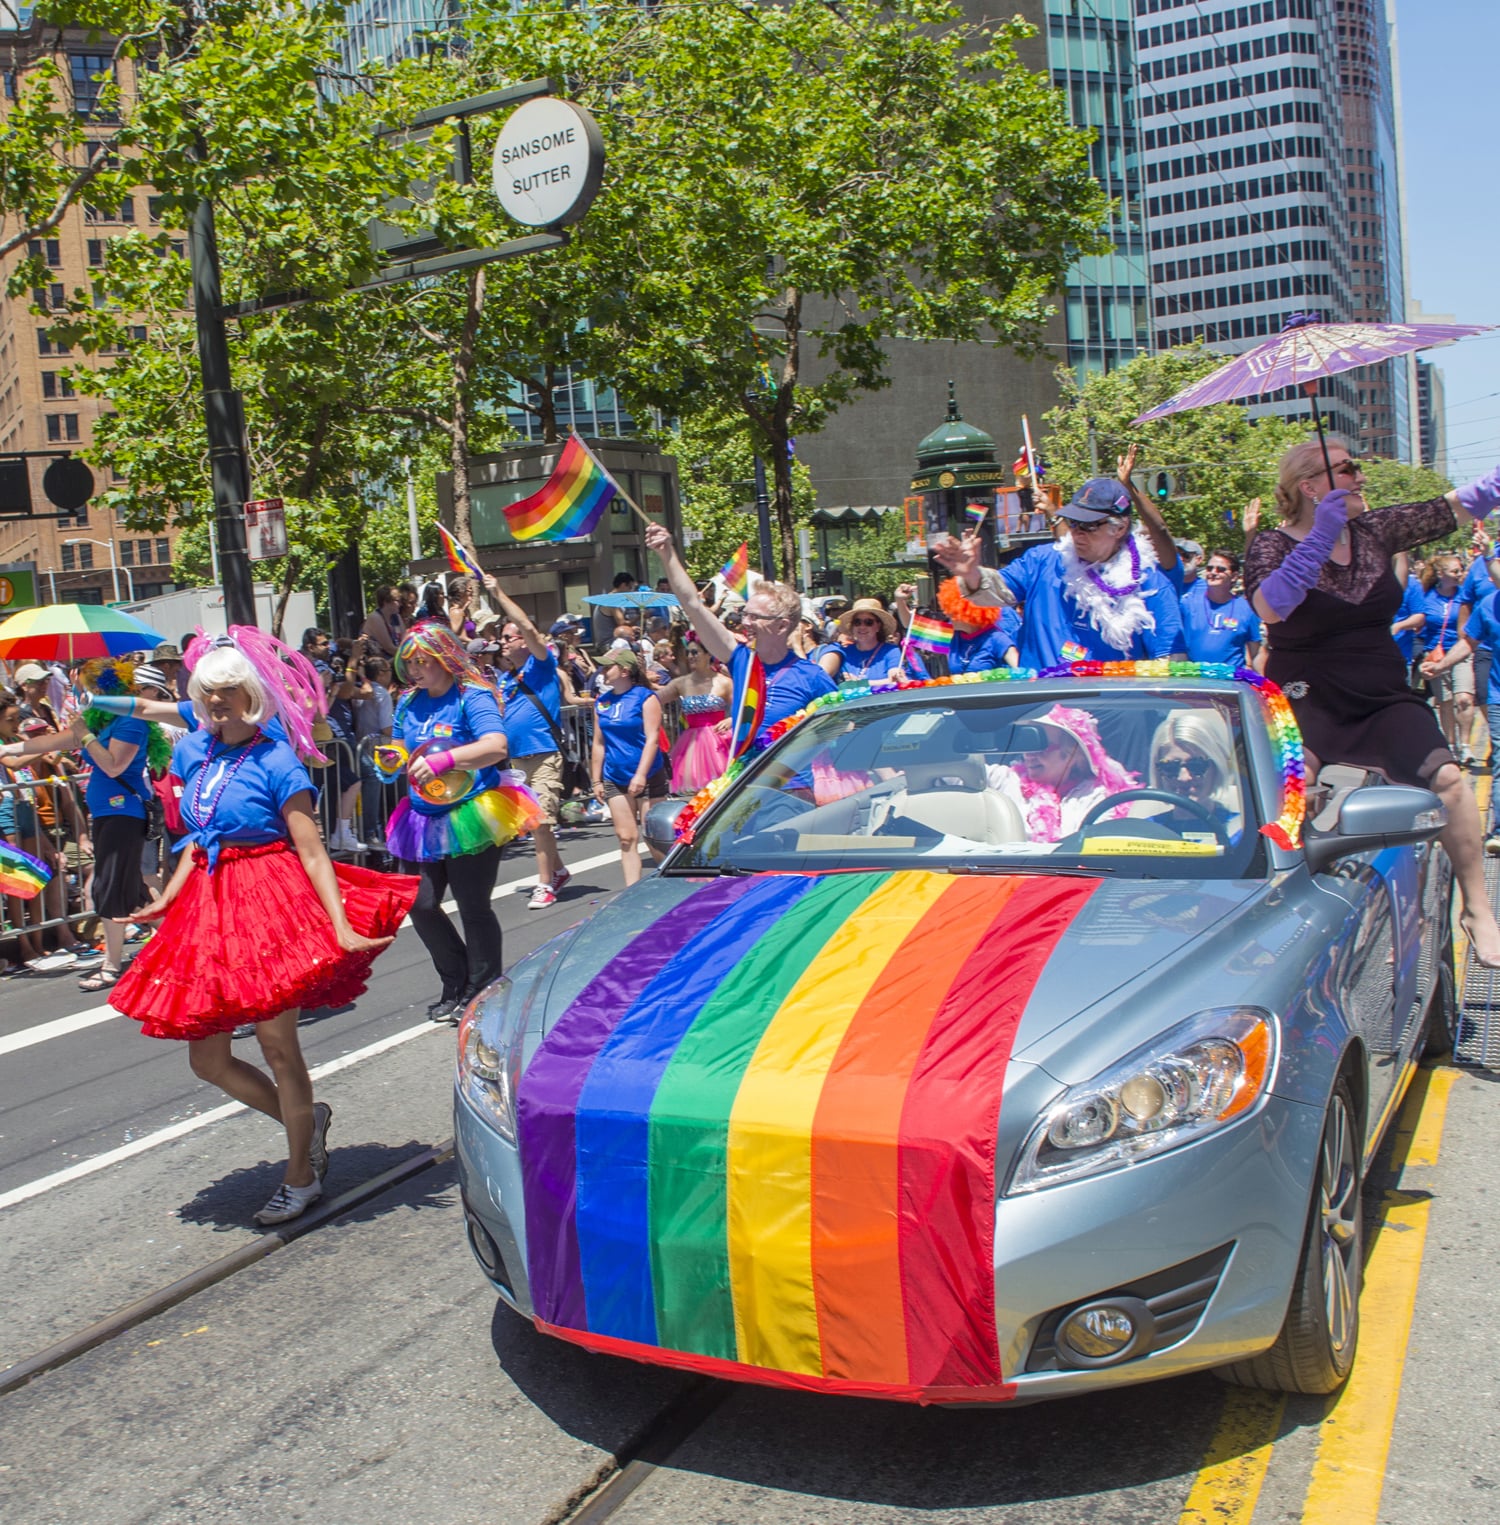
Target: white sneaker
x=343 y=840
x=1492 y=843
x=288 y=1202
x=541 y=897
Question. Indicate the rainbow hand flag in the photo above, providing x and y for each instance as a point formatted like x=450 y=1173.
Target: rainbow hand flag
x=571 y=502
x=929 y=633
x=747 y=702
x=736 y=571
x=21 y=875
x=460 y=558
x=976 y=513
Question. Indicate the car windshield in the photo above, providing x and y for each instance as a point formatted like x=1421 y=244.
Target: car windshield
x=1141 y=784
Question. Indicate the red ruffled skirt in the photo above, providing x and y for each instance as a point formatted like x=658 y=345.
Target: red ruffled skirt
x=251 y=940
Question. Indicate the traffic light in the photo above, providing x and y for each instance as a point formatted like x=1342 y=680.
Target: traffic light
x=1162 y=486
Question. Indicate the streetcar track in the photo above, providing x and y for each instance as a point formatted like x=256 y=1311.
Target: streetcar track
x=143 y=1309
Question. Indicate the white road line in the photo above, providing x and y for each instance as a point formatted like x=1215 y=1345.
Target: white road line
x=61 y=1027
x=191 y=1124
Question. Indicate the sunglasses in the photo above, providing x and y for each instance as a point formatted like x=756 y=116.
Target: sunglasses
x=1215 y=566
x=1349 y=468
x=1196 y=767
x=870 y=624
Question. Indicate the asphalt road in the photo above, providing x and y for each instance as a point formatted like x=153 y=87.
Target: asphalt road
x=367 y=1373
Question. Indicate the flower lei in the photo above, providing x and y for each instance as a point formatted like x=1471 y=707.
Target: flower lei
x=1136 y=578
x=1286 y=739
x=964 y=611
x=1117 y=612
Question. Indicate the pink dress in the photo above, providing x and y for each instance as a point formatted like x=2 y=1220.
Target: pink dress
x=700 y=754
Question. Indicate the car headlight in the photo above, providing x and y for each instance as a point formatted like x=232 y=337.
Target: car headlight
x=1199 y=1076
x=489 y=1055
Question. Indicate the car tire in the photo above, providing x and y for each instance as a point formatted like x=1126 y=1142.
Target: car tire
x=1314 y=1352
x=1440 y=1021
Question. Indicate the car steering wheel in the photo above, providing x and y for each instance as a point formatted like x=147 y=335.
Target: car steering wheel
x=1164 y=796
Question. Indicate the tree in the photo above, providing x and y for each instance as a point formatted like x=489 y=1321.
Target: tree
x=867 y=558
x=1219 y=457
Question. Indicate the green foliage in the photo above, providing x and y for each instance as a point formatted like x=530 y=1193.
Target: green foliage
x=867 y=556
x=1219 y=456
x=1388 y=482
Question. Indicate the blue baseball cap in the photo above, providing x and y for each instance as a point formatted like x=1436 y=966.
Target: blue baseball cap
x=1098 y=499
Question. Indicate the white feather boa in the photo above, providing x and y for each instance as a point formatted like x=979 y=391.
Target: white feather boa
x=1118 y=617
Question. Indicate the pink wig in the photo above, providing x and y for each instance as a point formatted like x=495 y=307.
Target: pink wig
x=291 y=682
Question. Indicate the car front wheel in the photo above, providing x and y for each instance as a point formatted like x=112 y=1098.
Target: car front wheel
x=1314 y=1352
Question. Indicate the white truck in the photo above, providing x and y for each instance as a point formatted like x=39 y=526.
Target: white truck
x=176 y=614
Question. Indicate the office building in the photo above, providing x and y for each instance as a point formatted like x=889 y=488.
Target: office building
x=1432 y=423
x=88 y=556
x=1242 y=125
x=1091 y=57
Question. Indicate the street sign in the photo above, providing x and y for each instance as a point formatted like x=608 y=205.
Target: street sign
x=17 y=587
x=549 y=162
x=265 y=528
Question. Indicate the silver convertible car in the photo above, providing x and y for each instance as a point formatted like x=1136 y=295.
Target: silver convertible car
x=976 y=1042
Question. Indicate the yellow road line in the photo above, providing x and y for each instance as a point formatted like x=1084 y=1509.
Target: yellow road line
x=1229 y=1482
x=1354 y=1440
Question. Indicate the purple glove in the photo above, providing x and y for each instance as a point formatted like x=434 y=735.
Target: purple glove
x=1482 y=497
x=1297 y=576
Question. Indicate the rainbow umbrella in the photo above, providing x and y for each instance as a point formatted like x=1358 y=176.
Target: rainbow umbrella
x=74 y=633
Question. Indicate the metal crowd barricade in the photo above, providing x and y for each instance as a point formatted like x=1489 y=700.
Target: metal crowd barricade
x=44 y=817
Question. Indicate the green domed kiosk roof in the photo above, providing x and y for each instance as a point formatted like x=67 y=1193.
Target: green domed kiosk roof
x=954 y=442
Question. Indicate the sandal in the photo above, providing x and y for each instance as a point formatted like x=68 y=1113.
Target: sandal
x=100 y=979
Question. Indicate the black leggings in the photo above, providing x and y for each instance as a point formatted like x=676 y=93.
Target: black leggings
x=466 y=964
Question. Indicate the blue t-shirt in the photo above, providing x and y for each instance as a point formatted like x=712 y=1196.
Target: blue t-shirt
x=792 y=683
x=858 y=666
x=1484 y=630
x=125 y=795
x=620 y=723
x=243 y=790
x=1411 y=603
x=1217 y=632
x=1477 y=585
x=526 y=731
x=985 y=650
x=1055 y=630
x=1441 y=629
x=462 y=714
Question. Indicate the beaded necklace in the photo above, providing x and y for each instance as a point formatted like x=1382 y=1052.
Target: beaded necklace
x=225 y=780
x=1096 y=577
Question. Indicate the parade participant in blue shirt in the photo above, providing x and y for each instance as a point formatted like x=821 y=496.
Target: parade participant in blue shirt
x=770 y=616
x=985 y=627
x=1480 y=636
x=257 y=921
x=532 y=693
x=868 y=646
x=1452 y=683
x=1093 y=595
x=627 y=767
x=458 y=809
x=1410 y=618
x=1218 y=625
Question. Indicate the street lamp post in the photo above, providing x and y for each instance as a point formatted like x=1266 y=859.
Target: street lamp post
x=114 y=565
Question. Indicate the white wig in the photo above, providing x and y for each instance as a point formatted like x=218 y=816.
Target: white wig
x=225 y=667
x=1206 y=733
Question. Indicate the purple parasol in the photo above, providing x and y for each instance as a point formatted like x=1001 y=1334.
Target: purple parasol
x=1305 y=350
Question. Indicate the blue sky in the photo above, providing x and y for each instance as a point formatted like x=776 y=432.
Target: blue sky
x=1450 y=91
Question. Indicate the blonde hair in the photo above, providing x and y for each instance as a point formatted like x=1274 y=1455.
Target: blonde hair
x=225 y=667
x=785 y=600
x=1299 y=464
x=1207 y=733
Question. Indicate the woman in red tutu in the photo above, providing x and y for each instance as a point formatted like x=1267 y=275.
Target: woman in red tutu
x=257 y=922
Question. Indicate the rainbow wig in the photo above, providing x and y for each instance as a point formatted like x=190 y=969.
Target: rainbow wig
x=440 y=643
x=291 y=682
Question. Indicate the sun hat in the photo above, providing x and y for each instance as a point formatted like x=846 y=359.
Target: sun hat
x=31 y=672
x=566 y=623
x=147 y=676
x=868 y=606
x=1099 y=498
x=166 y=652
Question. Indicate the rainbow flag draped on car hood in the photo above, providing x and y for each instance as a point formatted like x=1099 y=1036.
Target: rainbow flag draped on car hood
x=761 y=1141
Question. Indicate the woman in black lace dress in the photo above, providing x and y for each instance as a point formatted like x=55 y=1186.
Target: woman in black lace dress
x=1324 y=580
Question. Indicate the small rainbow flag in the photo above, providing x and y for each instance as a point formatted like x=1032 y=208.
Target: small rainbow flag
x=736 y=571
x=571 y=502
x=929 y=633
x=976 y=513
x=460 y=558
x=21 y=875
x=747 y=702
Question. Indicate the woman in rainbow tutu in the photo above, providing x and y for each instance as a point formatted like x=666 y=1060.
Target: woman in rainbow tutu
x=701 y=752
x=459 y=808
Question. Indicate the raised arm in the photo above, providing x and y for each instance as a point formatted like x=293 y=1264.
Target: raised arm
x=1156 y=527
x=705 y=623
x=535 y=645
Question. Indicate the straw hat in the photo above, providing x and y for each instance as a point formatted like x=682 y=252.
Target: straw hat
x=868 y=606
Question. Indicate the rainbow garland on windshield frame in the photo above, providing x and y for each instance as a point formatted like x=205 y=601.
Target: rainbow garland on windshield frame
x=1286 y=739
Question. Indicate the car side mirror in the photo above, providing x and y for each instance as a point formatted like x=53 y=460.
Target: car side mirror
x=1373 y=817
x=661 y=824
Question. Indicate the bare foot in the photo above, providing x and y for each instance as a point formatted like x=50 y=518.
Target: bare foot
x=1484 y=939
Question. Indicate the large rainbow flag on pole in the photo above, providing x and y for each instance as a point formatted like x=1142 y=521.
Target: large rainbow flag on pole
x=572 y=501
x=747 y=699
x=460 y=558
x=736 y=571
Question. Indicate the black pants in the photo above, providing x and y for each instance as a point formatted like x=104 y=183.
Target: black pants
x=465 y=964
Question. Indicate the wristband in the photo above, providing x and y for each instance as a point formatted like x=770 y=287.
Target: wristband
x=88 y=739
x=440 y=762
